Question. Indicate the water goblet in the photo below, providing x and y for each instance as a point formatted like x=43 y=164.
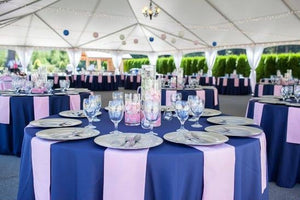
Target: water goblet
x=98 y=102
x=193 y=118
x=197 y=107
x=116 y=112
x=117 y=96
x=67 y=84
x=297 y=93
x=175 y=97
x=284 y=92
x=182 y=109
x=89 y=108
x=62 y=85
x=151 y=112
x=49 y=86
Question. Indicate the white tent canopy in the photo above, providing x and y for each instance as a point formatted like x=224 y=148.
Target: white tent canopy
x=189 y=26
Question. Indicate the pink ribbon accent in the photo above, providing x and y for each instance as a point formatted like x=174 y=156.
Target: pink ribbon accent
x=41 y=107
x=5 y=110
x=122 y=76
x=55 y=79
x=41 y=164
x=218 y=171
x=74 y=102
x=75 y=77
x=131 y=78
x=293 y=126
x=168 y=97
x=138 y=78
x=263 y=160
x=108 y=79
x=91 y=79
x=260 y=90
x=100 y=78
x=82 y=77
x=277 y=89
x=216 y=96
x=224 y=81
x=246 y=82
x=258 y=111
x=201 y=94
x=124 y=174
x=207 y=80
x=236 y=82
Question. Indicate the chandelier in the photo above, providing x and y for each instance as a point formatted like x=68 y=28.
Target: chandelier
x=151 y=12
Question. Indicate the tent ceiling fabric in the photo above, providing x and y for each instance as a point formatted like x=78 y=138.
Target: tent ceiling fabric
x=234 y=23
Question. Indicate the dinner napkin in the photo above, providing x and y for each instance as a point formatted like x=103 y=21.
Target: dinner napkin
x=224 y=81
x=218 y=171
x=293 y=126
x=41 y=163
x=74 y=102
x=236 y=82
x=128 y=181
x=41 y=107
x=260 y=90
x=5 y=110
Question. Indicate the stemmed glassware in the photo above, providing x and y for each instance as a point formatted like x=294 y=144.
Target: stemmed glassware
x=297 y=92
x=175 y=97
x=197 y=107
x=182 y=109
x=284 y=92
x=67 y=84
x=49 y=86
x=116 y=113
x=98 y=102
x=118 y=96
x=90 y=109
x=62 y=85
x=151 y=112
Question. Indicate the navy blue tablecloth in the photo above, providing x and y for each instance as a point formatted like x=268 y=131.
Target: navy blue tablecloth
x=131 y=85
x=209 y=97
x=173 y=171
x=231 y=90
x=283 y=157
x=268 y=89
x=21 y=113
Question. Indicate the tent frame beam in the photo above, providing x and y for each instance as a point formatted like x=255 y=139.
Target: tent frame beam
x=18 y=8
x=290 y=8
x=229 y=20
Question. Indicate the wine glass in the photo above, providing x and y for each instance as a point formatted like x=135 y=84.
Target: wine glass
x=284 y=92
x=297 y=92
x=182 y=109
x=67 y=84
x=116 y=112
x=98 y=102
x=117 y=96
x=89 y=108
x=175 y=97
x=197 y=106
x=151 y=113
x=62 y=85
x=193 y=118
x=49 y=86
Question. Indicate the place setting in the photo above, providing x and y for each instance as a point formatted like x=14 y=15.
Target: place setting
x=236 y=131
x=55 y=122
x=231 y=120
x=76 y=113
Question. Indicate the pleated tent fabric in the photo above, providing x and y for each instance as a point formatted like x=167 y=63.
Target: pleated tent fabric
x=120 y=26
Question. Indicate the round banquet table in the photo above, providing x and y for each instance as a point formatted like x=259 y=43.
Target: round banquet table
x=204 y=80
x=131 y=82
x=83 y=170
x=233 y=86
x=278 y=123
x=267 y=89
x=211 y=96
x=21 y=110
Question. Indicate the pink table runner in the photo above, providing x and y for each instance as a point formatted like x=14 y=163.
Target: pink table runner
x=168 y=97
x=246 y=82
x=214 y=80
x=75 y=77
x=41 y=163
x=131 y=78
x=5 y=110
x=100 y=78
x=224 y=81
x=260 y=90
x=277 y=90
x=55 y=79
x=207 y=80
x=41 y=107
x=122 y=76
x=236 y=82
x=216 y=96
x=218 y=81
x=108 y=79
x=258 y=111
x=74 y=102
x=91 y=79
x=138 y=78
x=82 y=77
x=293 y=126
x=124 y=174
x=218 y=172
x=201 y=94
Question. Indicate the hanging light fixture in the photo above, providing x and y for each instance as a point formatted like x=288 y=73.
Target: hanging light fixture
x=151 y=12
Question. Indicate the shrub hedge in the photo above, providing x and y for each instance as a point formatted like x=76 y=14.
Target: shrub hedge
x=267 y=66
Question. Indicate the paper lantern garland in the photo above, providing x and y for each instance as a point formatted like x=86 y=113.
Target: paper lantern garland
x=122 y=37
x=66 y=32
x=163 y=36
x=214 y=43
x=95 y=35
x=151 y=39
x=173 y=40
x=124 y=42
x=135 y=41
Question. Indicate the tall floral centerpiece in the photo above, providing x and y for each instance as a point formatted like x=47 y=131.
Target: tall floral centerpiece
x=150 y=88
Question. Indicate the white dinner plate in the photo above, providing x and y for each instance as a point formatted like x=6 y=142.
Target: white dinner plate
x=196 y=138
x=272 y=101
x=55 y=122
x=167 y=108
x=65 y=134
x=210 y=112
x=129 y=141
x=237 y=131
x=75 y=113
x=230 y=120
